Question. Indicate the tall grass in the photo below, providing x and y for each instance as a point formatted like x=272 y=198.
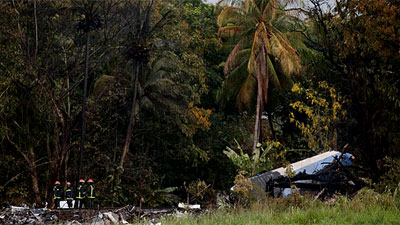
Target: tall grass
x=367 y=207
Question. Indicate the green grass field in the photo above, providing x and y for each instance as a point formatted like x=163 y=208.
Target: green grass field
x=367 y=207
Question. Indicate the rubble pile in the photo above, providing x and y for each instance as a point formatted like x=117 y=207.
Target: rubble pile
x=24 y=215
x=124 y=215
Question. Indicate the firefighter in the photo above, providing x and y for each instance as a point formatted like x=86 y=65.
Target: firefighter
x=91 y=193
x=57 y=194
x=80 y=195
x=69 y=195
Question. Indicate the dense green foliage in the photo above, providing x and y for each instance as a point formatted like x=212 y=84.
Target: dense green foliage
x=148 y=92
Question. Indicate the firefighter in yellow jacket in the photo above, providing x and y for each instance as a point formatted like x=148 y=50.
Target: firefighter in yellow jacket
x=80 y=194
x=57 y=194
x=91 y=193
x=69 y=195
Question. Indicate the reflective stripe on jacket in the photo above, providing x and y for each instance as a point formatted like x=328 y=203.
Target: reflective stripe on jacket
x=92 y=193
x=69 y=193
x=80 y=192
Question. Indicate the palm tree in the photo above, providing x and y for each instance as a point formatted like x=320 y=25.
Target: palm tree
x=261 y=54
x=90 y=22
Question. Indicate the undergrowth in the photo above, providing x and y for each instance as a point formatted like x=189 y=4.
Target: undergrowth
x=366 y=207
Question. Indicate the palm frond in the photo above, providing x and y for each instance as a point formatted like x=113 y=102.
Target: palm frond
x=221 y=4
x=229 y=32
x=251 y=7
x=264 y=35
x=103 y=83
x=260 y=40
x=237 y=3
x=288 y=57
x=231 y=61
x=153 y=77
x=164 y=105
x=164 y=87
x=297 y=41
x=247 y=93
x=273 y=76
x=164 y=63
x=285 y=80
x=161 y=68
x=232 y=83
x=270 y=10
x=147 y=104
x=241 y=56
x=229 y=15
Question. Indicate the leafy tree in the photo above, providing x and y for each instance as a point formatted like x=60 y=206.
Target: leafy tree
x=359 y=41
x=21 y=121
x=52 y=83
x=166 y=111
x=323 y=109
x=262 y=54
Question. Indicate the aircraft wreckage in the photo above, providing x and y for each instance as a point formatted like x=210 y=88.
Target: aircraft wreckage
x=323 y=174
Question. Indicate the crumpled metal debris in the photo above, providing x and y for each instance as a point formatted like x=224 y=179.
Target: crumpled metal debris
x=125 y=215
x=22 y=215
x=323 y=174
x=15 y=209
x=186 y=206
x=224 y=201
x=112 y=216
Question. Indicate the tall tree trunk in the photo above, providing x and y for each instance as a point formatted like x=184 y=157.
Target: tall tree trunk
x=257 y=125
x=34 y=176
x=49 y=170
x=35 y=186
x=53 y=174
x=31 y=166
x=66 y=166
x=84 y=100
x=262 y=94
x=132 y=121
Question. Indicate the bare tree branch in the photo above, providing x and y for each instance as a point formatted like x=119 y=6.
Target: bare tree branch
x=36 y=30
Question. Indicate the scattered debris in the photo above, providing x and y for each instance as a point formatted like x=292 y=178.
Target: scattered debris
x=151 y=223
x=224 y=201
x=15 y=209
x=181 y=214
x=125 y=215
x=112 y=216
x=74 y=222
x=183 y=206
x=37 y=213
